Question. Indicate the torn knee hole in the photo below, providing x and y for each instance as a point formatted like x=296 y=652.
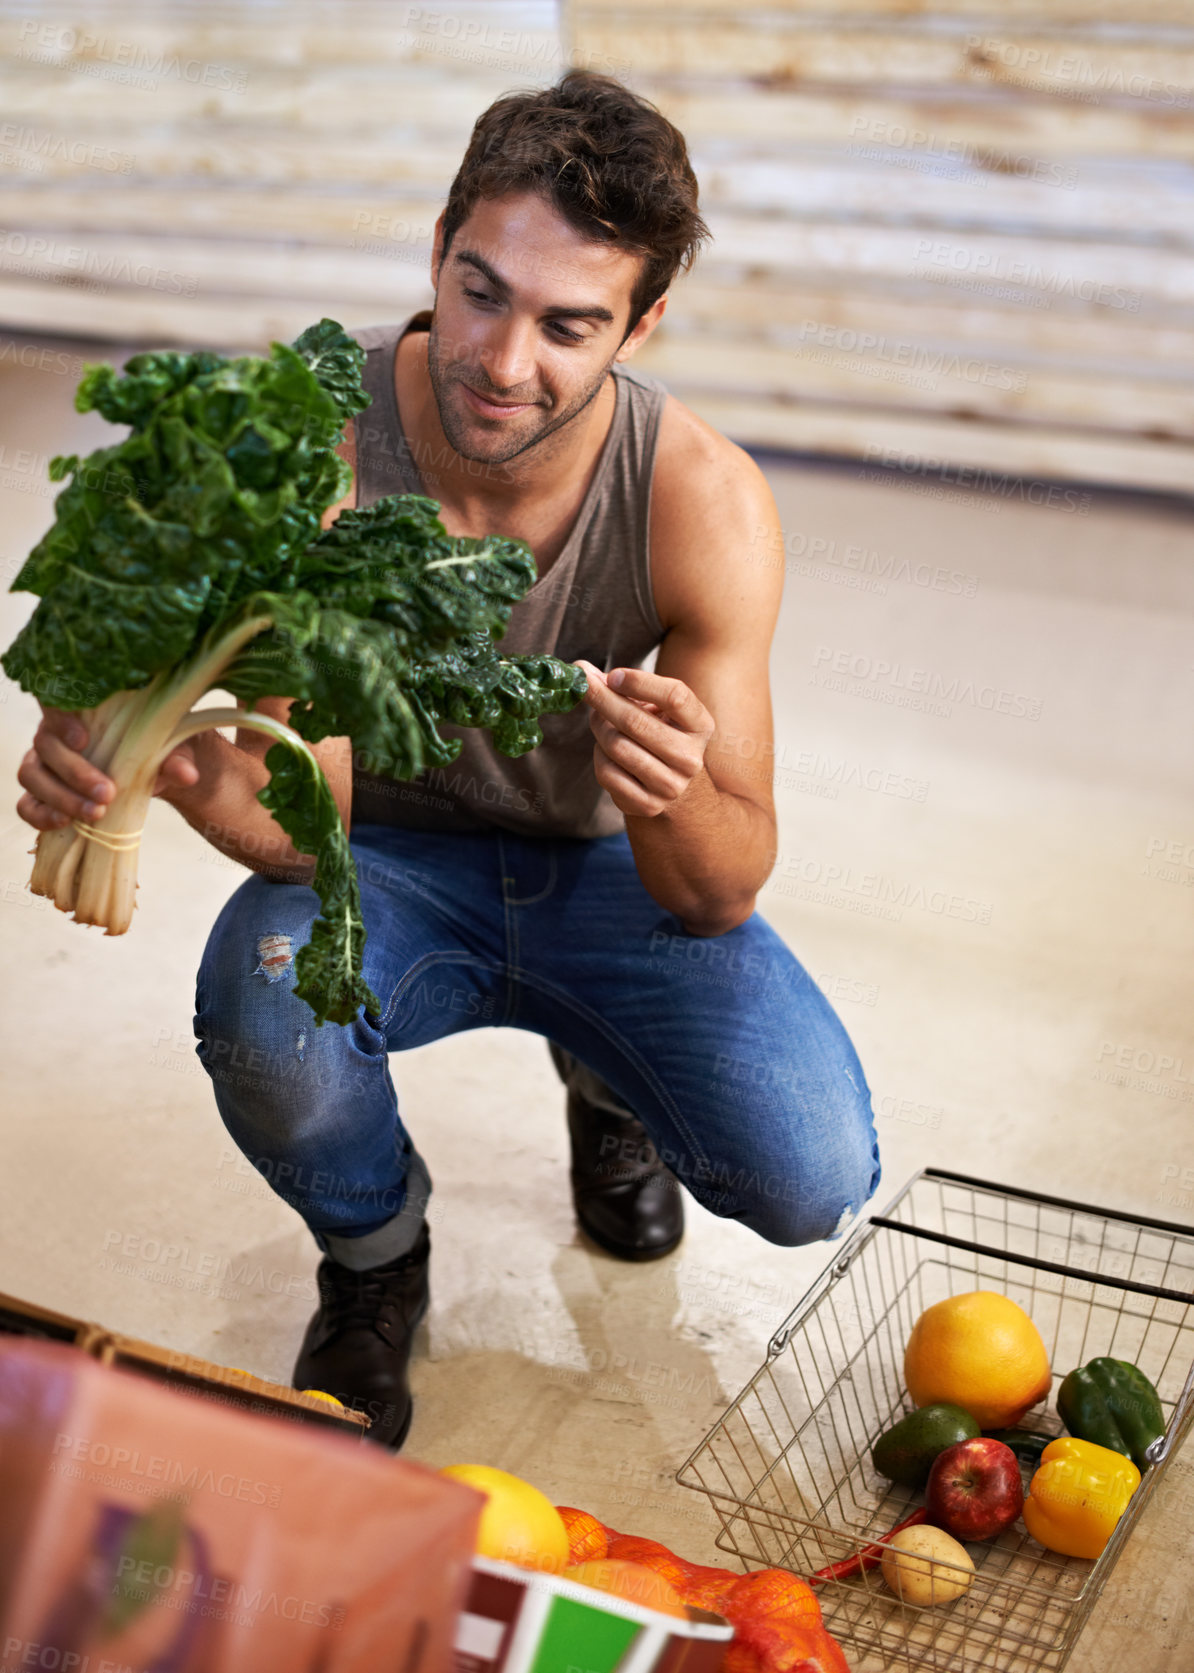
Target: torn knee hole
x=274 y=952
x=843 y=1220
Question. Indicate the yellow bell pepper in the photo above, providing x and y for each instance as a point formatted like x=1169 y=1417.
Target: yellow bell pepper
x=1078 y=1495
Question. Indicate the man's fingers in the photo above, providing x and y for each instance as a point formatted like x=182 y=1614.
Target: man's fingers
x=630 y=795
x=675 y=749
x=177 y=772
x=650 y=737
x=675 y=700
x=39 y=814
x=657 y=775
x=598 y=688
x=75 y=771
x=66 y=725
x=662 y=719
x=180 y=767
x=595 y=679
x=33 y=776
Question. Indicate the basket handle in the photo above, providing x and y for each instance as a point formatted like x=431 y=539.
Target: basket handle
x=1157 y=1451
x=822 y=1282
x=1186 y=1297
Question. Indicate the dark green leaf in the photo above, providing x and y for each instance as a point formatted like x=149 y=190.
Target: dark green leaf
x=328 y=968
x=337 y=361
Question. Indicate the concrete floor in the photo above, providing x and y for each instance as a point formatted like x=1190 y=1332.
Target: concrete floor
x=1056 y=818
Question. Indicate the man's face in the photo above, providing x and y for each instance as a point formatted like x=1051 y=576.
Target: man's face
x=529 y=316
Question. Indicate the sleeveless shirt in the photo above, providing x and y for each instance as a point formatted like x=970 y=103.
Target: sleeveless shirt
x=594 y=602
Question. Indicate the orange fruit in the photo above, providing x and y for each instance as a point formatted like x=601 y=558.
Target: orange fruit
x=979 y=1351
x=776 y=1643
x=740 y=1658
x=630 y=1581
x=708 y=1588
x=519 y=1524
x=633 y=1548
x=774 y=1595
x=789 y=1646
x=587 y=1537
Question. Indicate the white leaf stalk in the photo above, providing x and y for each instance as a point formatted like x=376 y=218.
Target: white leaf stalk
x=130 y=735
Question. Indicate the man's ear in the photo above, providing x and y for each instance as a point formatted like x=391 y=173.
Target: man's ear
x=437 y=249
x=643 y=329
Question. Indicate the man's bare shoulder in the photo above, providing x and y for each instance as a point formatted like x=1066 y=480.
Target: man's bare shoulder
x=713 y=517
x=692 y=457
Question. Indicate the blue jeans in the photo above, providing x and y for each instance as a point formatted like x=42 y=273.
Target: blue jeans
x=724 y=1047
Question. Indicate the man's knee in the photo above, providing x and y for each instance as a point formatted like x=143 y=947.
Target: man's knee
x=807 y=1189
x=811 y=1209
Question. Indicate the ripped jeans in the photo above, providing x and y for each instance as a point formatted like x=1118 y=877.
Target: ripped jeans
x=724 y=1047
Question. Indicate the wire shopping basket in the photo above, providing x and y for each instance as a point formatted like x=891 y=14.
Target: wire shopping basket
x=787 y=1468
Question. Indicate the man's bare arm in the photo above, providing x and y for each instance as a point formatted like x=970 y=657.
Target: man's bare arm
x=685 y=752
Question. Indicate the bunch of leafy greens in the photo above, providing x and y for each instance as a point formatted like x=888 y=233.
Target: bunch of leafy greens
x=188 y=557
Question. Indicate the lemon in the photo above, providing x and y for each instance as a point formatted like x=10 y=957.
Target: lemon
x=519 y=1524
x=979 y=1351
x=318 y=1394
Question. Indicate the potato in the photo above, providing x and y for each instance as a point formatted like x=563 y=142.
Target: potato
x=914 y=1578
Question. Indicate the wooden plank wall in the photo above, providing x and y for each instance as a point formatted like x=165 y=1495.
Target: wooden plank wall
x=944 y=228
x=951 y=229
x=219 y=174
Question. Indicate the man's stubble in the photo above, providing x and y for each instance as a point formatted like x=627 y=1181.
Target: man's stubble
x=440 y=371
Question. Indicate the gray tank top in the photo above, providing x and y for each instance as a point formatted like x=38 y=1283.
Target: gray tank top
x=594 y=602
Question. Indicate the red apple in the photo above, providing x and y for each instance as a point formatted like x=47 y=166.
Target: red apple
x=974 y=1489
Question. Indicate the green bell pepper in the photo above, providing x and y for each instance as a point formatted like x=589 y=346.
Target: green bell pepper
x=1112 y=1403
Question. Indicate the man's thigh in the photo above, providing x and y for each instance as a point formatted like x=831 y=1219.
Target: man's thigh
x=428 y=954
x=434 y=952
x=724 y=1046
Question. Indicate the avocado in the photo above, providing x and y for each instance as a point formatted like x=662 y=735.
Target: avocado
x=905 y=1453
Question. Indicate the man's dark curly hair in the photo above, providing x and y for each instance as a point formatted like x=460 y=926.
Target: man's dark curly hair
x=608 y=161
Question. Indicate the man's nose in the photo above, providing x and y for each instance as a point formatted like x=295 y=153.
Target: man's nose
x=508 y=357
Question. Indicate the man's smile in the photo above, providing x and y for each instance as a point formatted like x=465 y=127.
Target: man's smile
x=495 y=409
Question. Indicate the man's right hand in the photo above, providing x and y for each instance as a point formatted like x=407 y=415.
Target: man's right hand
x=60 y=784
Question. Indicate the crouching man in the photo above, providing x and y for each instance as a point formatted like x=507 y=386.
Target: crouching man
x=599 y=891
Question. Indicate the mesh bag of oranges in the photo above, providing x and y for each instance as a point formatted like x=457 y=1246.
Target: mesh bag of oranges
x=776 y=1617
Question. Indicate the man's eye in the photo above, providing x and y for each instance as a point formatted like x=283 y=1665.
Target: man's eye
x=562 y=330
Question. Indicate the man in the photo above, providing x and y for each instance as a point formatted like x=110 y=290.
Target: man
x=599 y=891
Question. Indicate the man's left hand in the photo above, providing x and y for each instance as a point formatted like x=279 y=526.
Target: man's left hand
x=651 y=735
